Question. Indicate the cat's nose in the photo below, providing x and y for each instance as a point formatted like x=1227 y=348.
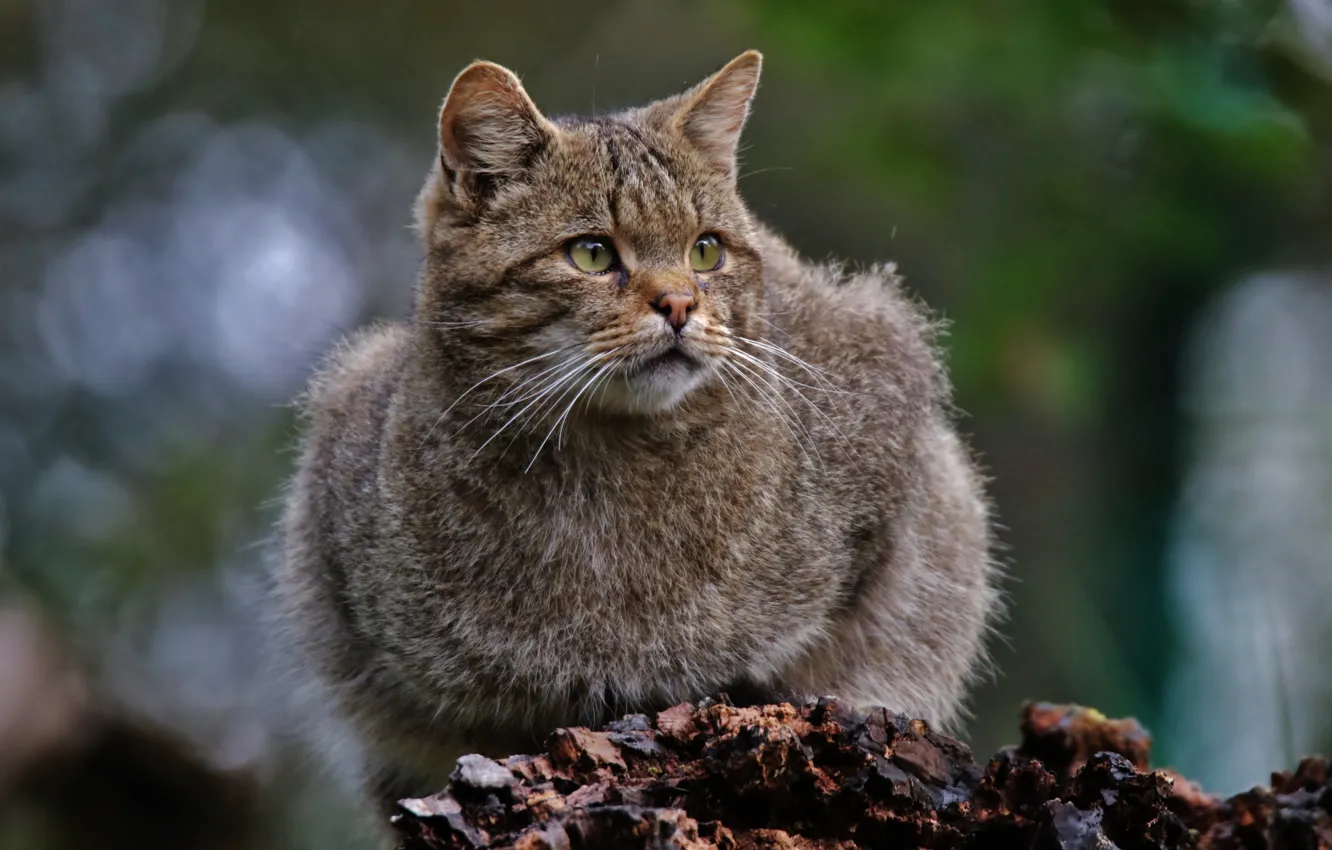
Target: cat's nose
x=675 y=306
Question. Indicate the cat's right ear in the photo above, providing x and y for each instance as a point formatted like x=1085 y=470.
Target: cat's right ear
x=489 y=130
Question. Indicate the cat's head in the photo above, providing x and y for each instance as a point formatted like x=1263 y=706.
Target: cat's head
x=611 y=257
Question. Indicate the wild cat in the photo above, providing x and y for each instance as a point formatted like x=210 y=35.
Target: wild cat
x=629 y=449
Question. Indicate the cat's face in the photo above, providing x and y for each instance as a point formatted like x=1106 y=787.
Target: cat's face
x=610 y=262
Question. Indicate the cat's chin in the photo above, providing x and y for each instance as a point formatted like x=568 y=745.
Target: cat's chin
x=655 y=389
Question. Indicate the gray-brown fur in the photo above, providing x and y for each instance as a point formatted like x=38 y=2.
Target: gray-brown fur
x=820 y=533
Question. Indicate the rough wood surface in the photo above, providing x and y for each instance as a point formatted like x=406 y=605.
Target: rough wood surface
x=715 y=775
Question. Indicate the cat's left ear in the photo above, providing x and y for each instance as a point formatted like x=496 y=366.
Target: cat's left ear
x=714 y=112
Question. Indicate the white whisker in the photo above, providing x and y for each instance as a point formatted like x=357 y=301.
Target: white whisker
x=794 y=386
x=500 y=402
x=565 y=368
x=587 y=401
x=489 y=377
x=553 y=401
x=560 y=420
x=449 y=326
x=767 y=398
x=819 y=374
x=564 y=377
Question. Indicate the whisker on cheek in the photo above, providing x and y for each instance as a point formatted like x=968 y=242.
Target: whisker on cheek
x=769 y=370
x=611 y=344
x=606 y=334
x=551 y=396
x=527 y=382
x=453 y=326
x=566 y=377
x=490 y=377
x=550 y=384
x=565 y=415
x=777 y=350
x=766 y=394
x=711 y=343
x=713 y=349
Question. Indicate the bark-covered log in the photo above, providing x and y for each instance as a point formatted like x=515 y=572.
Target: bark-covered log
x=715 y=775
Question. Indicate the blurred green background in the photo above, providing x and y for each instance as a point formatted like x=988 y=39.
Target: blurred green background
x=1124 y=207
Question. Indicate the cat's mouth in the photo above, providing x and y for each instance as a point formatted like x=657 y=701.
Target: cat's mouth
x=671 y=358
x=655 y=380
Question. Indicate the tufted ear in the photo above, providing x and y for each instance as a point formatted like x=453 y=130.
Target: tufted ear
x=489 y=130
x=712 y=114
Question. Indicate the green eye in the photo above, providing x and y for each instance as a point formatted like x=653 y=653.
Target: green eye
x=706 y=255
x=591 y=255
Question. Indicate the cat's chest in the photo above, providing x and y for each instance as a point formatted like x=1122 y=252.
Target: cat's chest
x=631 y=585
x=605 y=598
x=651 y=558
x=657 y=537
x=675 y=500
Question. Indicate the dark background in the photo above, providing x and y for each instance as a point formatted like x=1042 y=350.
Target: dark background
x=1122 y=207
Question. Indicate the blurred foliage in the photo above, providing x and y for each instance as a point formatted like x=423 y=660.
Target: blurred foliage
x=1078 y=152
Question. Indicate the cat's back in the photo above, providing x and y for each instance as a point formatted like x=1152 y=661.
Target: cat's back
x=345 y=409
x=362 y=369
x=867 y=350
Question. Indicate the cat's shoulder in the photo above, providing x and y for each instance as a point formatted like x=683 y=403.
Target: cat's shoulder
x=840 y=292
x=363 y=364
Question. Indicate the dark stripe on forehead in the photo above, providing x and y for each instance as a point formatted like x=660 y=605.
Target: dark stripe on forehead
x=612 y=149
x=649 y=154
x=642 y=176
x=610 y=145
x=629 y=151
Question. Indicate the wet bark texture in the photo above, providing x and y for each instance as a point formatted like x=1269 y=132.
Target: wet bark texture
x=717 y=775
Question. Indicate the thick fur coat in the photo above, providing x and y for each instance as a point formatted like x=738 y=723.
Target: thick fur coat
x=544 y=500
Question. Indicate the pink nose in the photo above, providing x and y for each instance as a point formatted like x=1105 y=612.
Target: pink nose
x=675 y=306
